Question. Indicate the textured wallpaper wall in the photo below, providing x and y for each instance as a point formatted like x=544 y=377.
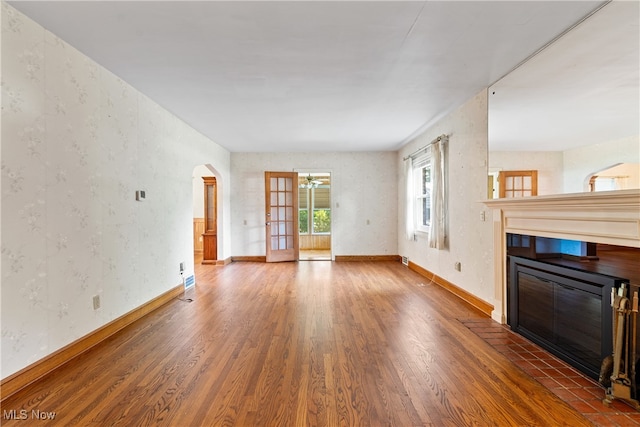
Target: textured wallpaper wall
x=77 y=142
x=364 y=187
x=470 y=238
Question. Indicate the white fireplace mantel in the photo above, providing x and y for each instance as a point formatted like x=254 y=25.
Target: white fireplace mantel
x=610 y=217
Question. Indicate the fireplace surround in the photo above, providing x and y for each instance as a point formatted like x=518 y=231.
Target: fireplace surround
x=565 y=310
x=608 y=217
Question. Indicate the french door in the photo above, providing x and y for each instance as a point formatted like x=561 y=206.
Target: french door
x=518 y=183
x=281 y=210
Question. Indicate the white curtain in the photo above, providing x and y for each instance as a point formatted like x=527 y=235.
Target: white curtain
x=408 y=208
x=437 y=231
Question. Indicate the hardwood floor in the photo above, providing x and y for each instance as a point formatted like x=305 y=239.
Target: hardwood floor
x=315 y=255
x=298 y=344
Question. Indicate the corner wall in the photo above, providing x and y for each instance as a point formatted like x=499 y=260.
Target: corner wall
x=470 y=239
x=77 y=142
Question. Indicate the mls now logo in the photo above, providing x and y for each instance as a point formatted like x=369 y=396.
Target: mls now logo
x=23 y=414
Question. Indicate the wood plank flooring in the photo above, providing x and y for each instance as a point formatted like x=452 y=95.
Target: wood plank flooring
x=315 y=255
x=298 y=344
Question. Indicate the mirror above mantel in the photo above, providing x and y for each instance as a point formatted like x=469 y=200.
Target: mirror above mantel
x=572 y=111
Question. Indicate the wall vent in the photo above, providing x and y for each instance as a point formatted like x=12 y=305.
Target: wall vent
x=405 y=260
x=191 y=280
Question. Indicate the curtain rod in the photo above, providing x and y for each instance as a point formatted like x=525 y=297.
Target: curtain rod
x=442 y=137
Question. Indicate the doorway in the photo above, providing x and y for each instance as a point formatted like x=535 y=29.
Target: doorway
x=314 y=216
x=206 y=210
x=621 y=176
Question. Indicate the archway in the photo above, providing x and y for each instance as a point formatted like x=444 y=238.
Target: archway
x=621 y=176
x=199 y=226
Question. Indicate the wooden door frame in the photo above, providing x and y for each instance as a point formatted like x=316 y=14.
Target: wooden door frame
x=533 y=174
x=289 y=253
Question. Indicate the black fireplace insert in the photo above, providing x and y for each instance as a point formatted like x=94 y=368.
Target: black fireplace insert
x=564 y=310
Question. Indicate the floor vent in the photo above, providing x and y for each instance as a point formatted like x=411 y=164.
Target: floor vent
x=405 y=260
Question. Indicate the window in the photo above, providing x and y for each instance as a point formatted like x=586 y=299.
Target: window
x=303 y=210
x=317 y=201
x=422 y=193
x=426 y=195
x=321 y=210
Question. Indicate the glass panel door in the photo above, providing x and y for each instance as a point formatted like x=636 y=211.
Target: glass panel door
x=281 y=195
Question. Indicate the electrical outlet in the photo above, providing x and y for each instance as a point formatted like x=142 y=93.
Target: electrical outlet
x=458 y=266
x=182 y=267
x=96 y=302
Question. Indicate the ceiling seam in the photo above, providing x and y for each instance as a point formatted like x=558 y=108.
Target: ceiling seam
x=550 y=42
x=415 y=21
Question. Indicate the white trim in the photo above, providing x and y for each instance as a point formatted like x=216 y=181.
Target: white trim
x=609 y=217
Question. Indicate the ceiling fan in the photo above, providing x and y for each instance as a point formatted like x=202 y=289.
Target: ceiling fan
x=310 y=182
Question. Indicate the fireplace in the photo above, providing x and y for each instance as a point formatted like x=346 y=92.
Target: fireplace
x=564 y=310
x=609 y=218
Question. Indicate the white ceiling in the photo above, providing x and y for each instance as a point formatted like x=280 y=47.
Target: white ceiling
x=581 y=90
x=308 y=75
